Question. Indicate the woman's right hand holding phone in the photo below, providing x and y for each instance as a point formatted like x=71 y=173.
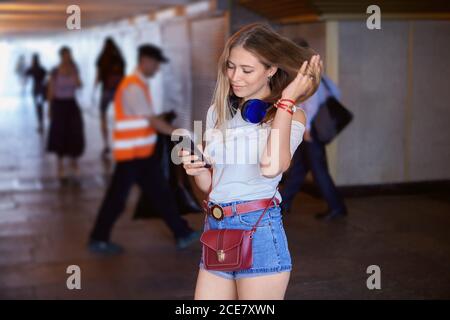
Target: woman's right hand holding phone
x=192 y=163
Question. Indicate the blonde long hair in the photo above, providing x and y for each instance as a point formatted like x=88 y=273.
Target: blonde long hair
x=272 y=49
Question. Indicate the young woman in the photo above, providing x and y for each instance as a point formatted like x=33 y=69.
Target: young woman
x=257 y=63
x=66 y=137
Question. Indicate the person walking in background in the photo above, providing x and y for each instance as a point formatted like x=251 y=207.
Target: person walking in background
x=110 y=71
x=38 y=74
x=66 y=136
x=311 y=155
x=135 y=134
x=21 y=69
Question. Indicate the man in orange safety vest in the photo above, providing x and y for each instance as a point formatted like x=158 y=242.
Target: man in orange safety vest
x=134 y=139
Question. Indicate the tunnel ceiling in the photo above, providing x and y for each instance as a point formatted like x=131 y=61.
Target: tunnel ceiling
x=313 y=10
x=23 y=17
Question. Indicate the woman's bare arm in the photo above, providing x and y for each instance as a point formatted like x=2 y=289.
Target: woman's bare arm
x=276 y=157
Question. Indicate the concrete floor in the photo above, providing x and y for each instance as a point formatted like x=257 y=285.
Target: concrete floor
x=43 y=230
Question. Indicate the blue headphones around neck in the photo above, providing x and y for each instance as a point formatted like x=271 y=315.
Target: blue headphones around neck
x=253 y=110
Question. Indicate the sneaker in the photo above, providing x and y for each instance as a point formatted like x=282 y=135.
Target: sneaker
x=184 y=242
x=104 y=247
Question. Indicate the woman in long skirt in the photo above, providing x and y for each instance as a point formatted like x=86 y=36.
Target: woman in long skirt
x=66 y=136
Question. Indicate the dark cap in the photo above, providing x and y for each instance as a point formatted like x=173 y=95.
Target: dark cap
x=151 y=51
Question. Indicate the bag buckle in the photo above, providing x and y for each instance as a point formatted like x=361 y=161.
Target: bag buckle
x=217 y=212
x=221 y=255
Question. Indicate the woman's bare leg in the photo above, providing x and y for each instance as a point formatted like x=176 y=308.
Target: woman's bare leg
x=270 y=287
x=212 y=287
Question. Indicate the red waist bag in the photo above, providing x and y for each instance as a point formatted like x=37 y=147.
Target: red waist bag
x=229 y=249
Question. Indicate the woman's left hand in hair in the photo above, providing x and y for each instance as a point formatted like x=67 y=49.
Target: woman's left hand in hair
x=306 y=81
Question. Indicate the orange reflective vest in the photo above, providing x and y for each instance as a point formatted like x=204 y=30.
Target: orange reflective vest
x=133 y=137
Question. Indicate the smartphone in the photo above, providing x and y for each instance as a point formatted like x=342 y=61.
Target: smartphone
x=188 y=144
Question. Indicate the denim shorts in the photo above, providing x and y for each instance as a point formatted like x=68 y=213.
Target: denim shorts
x=270 y=248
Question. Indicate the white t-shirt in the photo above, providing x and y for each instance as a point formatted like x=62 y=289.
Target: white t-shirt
x=236 y=166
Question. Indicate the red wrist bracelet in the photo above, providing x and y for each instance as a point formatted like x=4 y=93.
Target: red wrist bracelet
x=284 y=105
x=278 y=106
x=291 y=108
x=288 y=100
